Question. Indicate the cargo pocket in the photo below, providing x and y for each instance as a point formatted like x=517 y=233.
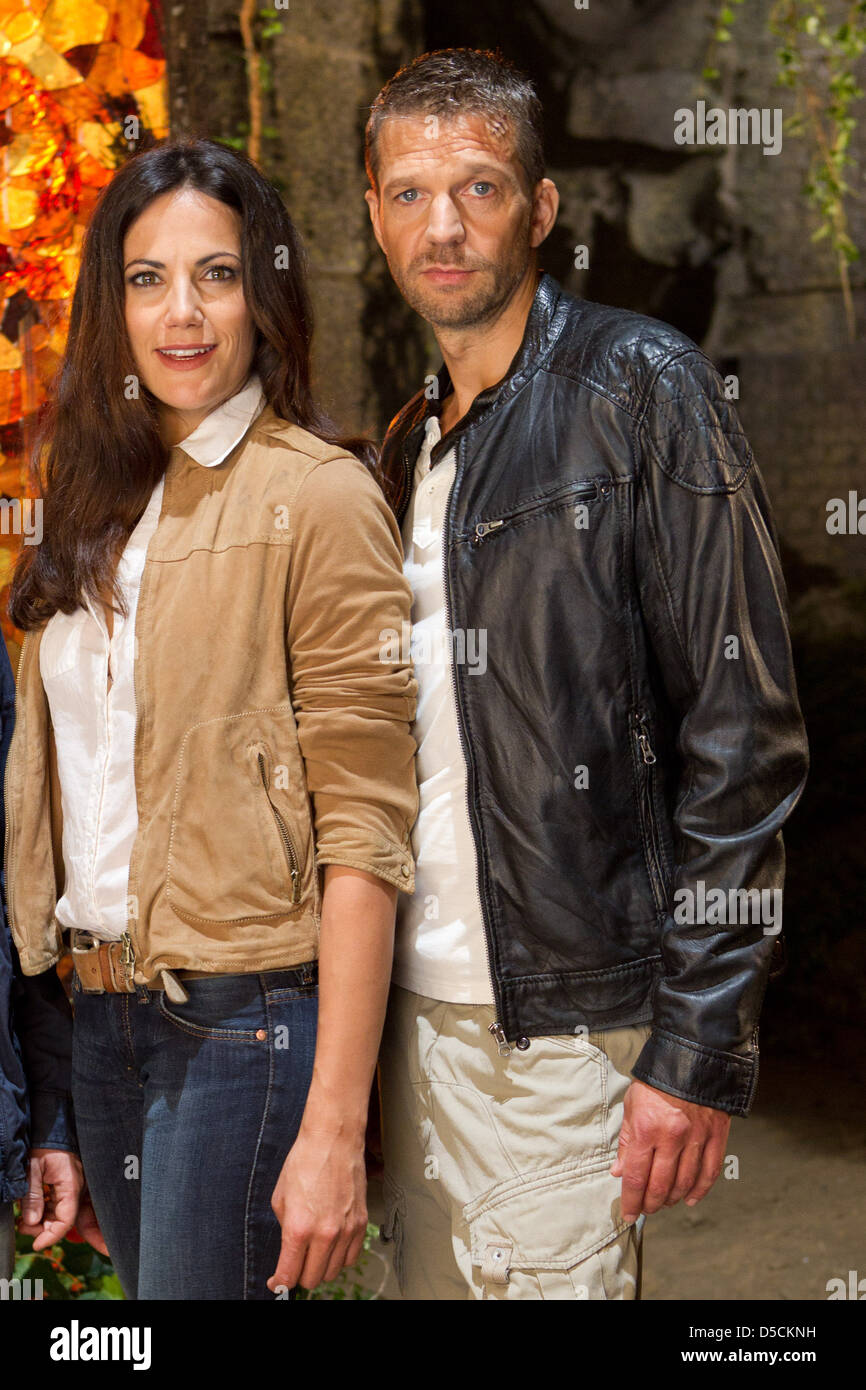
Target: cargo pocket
x=558 y=1234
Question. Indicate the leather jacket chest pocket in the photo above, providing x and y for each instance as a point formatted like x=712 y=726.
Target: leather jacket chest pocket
x=579 y=497
x=241 y=842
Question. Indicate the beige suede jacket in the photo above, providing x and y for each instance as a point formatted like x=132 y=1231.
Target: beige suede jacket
x=271 y=736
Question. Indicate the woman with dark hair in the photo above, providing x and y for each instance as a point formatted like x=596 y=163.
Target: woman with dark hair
x=210 y=789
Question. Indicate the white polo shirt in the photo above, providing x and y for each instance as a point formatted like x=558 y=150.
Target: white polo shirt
x=440 y=948
x=94 y=726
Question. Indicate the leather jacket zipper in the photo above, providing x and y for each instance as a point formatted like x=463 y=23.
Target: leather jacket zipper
x=291 y=856
x=563 y=497
x=494 y=1028
x=648 y=758
x=407 y=485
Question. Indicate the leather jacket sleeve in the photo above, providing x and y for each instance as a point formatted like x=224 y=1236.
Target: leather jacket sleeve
x=713 y=604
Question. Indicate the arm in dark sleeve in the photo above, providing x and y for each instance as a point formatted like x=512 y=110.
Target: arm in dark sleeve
x=42 y=1018
x=709 y=569
x=40 y=1013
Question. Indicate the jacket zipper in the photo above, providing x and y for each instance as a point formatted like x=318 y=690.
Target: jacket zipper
x=407 y=485
x=648 y=758
x=495 y=1028
x=128 y=954
x=597 y=489
x=291 y=856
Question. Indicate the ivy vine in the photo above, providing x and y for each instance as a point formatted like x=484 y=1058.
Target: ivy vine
x=258 y=27
x=817 y=56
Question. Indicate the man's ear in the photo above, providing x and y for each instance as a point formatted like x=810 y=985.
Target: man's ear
x=545 y=206
x=372 y=200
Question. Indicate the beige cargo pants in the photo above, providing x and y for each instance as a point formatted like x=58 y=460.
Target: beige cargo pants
x=496 y=1168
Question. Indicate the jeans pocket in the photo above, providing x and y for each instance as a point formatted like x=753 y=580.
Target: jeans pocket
x=228 y=1007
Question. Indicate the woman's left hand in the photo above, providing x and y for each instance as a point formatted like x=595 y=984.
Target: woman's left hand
x=321 y=1196
x=321 y=1203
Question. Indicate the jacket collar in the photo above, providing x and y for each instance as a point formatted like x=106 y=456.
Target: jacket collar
x=547 y=316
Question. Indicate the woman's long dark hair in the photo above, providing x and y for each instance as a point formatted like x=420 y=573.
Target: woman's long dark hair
x=100 y=452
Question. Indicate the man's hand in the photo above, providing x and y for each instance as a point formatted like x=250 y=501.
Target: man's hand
x=321 y=1202
x=48 y=1218
x=669 y=1149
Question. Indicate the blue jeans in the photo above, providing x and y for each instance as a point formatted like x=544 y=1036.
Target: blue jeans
x=185 y=1115
x=7 y=1240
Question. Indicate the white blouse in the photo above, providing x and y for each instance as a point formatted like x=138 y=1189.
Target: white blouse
x=94 y=725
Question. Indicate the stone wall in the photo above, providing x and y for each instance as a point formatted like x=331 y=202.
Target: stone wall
x=326 y=64
x=715 y=239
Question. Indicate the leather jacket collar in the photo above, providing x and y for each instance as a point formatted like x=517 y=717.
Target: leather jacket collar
x=547 y=317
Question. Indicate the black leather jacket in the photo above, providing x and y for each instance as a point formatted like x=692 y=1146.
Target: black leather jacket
x=636 y=731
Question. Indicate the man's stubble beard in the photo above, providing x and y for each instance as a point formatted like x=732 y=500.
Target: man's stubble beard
x=481 y=306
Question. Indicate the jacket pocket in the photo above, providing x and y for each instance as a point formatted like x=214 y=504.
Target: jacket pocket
x=292 y=861
x=240 y=844
x=645 y=758
x=569 y=495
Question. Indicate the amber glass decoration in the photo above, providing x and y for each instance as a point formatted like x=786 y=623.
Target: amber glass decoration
x=82 y=86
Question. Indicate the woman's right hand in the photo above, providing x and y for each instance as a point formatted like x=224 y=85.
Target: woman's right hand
x=320 y=1201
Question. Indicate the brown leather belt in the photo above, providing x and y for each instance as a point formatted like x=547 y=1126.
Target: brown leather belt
x=102 y=969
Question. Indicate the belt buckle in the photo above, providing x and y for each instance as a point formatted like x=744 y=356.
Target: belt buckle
x=78 y=936
x=86 y=955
